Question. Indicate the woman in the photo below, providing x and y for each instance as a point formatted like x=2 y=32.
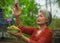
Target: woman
x=38 y=35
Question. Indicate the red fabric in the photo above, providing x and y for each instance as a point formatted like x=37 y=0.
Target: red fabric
x=44 y=37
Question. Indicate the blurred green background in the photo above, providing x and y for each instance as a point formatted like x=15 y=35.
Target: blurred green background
x=29 y=12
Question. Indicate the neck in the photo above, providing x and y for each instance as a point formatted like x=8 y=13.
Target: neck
x=42 y=27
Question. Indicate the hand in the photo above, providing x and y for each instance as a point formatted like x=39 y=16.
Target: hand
x=17 y=11
x=18 y=34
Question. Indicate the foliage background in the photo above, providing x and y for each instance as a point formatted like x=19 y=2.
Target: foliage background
x=29 y=12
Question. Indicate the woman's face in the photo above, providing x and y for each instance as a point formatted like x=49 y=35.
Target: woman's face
x=41 y=19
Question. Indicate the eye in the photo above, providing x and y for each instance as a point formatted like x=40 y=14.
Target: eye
x=40 y=15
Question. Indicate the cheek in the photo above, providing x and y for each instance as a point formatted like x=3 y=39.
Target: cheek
x=41 y=21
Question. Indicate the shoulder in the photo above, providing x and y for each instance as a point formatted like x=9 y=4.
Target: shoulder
x=49 y=32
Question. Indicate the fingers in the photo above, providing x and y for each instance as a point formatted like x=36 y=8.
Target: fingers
x=17 y=6
x=18 y=10
x=14 y=34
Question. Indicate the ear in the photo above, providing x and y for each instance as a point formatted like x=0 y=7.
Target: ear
x=47 y=20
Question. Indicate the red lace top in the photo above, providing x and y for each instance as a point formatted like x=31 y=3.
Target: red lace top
x=44 y=37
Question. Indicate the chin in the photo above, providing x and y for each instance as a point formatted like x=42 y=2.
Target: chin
x=38 y=23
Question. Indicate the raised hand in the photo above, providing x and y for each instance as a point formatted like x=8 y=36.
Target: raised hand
x=17 y=10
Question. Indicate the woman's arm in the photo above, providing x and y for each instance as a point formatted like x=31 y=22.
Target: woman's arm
x=46 y=38
x=25 y=29
x=24 y=38
x=17 y=13
x=20 y=36
x=18 y=21
x=41 y=40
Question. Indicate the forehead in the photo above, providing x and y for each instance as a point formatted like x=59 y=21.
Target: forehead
x=40 y=13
